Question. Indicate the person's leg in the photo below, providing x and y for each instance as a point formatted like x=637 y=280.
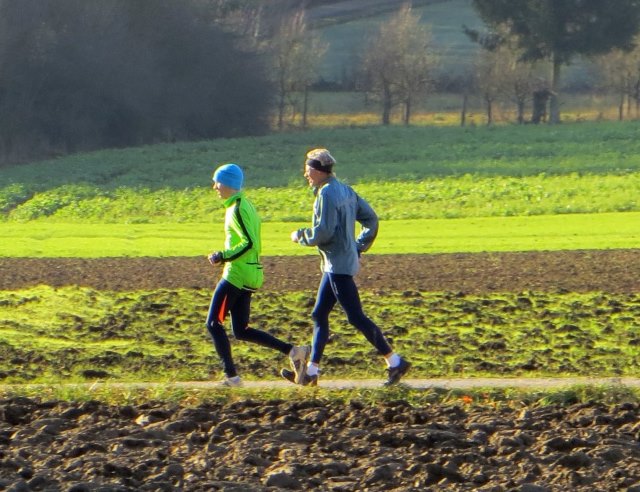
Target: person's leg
x=346 y=291
x=325 y=301
x=347 y=294
x=240 y=313
x=222 y=300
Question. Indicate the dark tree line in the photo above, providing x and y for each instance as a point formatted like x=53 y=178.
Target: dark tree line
x=82 y=75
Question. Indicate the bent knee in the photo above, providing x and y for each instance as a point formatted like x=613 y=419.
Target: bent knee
x=319 y=316
x=240 y=333
x=214 y=326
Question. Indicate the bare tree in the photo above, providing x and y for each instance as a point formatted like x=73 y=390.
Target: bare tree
x=521 y=87
x=620 y=73
x=518 y=79
x=489 y=73
x=398 y=62
x=296 y=53
x=501 y=71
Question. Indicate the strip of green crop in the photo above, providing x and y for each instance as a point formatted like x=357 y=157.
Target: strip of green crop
x=535 y=233
x=433 y=198
x=364 y=154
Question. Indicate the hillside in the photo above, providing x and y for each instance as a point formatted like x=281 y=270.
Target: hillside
x=343 y=11
x=346 y=25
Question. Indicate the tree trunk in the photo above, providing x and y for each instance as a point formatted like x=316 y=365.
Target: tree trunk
x=305 y=106
x=520 y=106
x=281 y=106
x=621 y=108
x=407 y=111
x=540 y=99
x=463 y=112
x=489 y=110
x=386 y=107
x=554 y=104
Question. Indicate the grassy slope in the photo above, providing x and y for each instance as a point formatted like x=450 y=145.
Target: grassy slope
x=347 y=39
x=364 y=155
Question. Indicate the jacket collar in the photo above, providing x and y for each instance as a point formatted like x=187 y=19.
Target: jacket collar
x=231 y=200
x=316 y=189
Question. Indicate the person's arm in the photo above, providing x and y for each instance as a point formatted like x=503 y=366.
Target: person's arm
x=368 y=219
x=324 y=226
x=246 y=242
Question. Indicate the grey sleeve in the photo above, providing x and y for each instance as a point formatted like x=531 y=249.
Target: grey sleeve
x=368 y=219
x=324 y=223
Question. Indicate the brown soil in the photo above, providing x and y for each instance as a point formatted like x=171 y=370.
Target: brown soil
x=577 y=271
x=311 y=444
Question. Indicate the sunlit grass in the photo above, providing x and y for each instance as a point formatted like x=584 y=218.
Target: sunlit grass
x=517 y=233
x=364 y=154
x=333 y=120
x=490 y=398
x=442 y=197
x=160 y=335
x=444 y=118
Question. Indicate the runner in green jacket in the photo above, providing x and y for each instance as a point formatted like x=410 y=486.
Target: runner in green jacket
x=241 y=276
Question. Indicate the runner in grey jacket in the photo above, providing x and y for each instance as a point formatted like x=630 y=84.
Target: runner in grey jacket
x=336 y=210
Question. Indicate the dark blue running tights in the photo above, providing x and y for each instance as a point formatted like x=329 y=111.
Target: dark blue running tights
x=342 y=288
x=229 y=299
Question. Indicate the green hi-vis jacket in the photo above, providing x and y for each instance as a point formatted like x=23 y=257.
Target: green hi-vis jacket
x=242 y=244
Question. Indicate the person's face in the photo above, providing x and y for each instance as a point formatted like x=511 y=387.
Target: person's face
x=314 y=177
x=224 y=192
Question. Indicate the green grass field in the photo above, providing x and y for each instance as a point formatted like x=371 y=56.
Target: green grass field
x=414 y=172
x=538 y=233
x=509 y=188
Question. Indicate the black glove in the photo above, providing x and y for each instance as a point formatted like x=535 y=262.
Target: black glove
x=215 y=258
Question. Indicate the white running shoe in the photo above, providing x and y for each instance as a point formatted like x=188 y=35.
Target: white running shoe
x=298 y=358
x=227 y=382
x=306 y=379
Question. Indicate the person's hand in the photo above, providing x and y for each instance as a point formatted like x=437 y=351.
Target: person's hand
x=294 y=236
x=215 y=258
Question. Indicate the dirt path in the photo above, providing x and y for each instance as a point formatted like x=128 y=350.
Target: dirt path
x=341 y=384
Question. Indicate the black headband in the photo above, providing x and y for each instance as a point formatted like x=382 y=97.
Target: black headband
x=316 y=164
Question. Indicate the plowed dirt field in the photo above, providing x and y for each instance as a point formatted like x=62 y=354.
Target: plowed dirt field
x=576 y=271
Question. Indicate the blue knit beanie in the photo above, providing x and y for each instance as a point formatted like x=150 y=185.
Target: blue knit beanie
x=229 y=175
